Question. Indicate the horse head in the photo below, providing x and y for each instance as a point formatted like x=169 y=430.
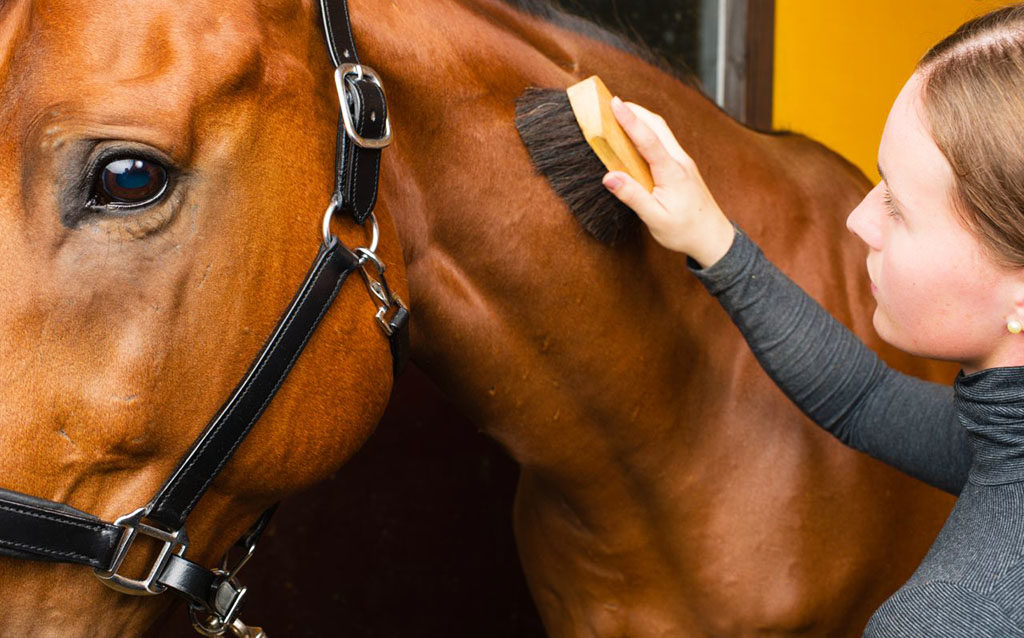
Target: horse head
x=165 y=169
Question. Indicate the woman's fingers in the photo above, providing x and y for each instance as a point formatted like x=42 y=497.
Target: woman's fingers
x=681 y=213
x=632 y=194
x=665 y=169
x=668 y=139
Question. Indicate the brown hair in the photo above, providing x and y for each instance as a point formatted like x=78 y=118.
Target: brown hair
x=974 y=101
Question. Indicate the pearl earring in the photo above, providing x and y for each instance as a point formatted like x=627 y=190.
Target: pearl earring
x=1014 y=326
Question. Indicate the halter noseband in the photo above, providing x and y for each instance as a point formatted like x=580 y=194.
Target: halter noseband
x=38 y=529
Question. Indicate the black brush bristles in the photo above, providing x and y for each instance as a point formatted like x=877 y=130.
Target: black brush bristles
x=559 y=152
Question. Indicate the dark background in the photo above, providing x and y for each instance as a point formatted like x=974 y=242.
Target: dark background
x=413 y=537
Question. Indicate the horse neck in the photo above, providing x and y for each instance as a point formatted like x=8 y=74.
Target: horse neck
x=452 y=86
x=526 y=321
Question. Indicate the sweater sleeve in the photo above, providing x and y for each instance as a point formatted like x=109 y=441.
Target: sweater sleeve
x=833 y=377
x=941 y=609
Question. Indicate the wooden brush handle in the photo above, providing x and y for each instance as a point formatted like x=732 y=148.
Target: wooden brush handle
x=591 y=103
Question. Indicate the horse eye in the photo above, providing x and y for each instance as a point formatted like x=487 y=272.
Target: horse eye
x=130 y=181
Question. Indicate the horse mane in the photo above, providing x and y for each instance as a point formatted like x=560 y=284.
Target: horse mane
x=548 y=128
x=549 y=131
x=558 y=15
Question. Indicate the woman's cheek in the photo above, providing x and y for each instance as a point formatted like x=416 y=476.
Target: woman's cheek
x=900 y=316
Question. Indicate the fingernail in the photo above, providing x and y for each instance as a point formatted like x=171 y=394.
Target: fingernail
x=616 y=101
x=612 y=182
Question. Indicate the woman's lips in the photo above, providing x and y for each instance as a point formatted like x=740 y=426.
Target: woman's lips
x=871 y=280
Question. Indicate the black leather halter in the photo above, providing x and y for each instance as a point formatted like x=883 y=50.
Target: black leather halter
x=37 y=529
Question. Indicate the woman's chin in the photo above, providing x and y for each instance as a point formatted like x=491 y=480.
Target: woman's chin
x=883 y=328
x=897 y=338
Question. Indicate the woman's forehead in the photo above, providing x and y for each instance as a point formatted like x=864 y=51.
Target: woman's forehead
x=912 y=163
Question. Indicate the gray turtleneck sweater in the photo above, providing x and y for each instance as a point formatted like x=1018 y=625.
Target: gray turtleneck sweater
x=968 y=441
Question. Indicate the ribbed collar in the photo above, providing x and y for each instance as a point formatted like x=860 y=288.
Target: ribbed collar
x=990 y=405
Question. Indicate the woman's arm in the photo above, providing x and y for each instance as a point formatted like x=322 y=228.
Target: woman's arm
x=834 y=378
x=830 y=375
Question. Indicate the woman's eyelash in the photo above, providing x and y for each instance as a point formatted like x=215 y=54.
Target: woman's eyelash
x=889 y=204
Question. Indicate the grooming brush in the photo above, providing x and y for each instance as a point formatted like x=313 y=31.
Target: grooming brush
x=573 y=139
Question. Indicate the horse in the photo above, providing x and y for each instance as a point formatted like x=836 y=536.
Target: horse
x=163 y=196
x=666 y=487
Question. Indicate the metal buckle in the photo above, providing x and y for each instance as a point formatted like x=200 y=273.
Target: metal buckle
x=174 y=543
x=360 y=71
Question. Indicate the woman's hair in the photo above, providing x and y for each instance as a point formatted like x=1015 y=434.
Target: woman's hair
x=974 y=101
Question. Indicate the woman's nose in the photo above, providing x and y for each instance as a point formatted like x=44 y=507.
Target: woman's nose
x=866 y=220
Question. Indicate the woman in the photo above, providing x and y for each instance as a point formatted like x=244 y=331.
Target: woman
x=945 y=236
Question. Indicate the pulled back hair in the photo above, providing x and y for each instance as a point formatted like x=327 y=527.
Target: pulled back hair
x=974 y=102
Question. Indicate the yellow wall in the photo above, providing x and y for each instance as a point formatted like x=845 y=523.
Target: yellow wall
x=839 y=64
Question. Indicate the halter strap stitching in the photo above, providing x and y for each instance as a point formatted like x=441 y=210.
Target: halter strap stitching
x=291 y=362
x=46 y=551
x=28 y=512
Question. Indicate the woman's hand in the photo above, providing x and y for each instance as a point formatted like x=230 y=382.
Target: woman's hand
x=681 y=213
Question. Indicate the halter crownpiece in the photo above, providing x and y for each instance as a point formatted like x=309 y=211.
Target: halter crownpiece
x=37 y=529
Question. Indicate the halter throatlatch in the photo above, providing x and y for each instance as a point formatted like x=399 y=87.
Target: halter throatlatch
x=37 y=529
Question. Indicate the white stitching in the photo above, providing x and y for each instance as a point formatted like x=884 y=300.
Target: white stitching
x=277 y=385
x=227 y=417
x=66 y=521
x=49 y=552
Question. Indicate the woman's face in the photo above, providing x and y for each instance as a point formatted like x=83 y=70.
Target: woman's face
x=939 y=295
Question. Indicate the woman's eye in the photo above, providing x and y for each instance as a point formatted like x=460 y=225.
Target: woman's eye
x=130 y=181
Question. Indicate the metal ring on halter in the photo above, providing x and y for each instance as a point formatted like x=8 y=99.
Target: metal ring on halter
x=375 y=237
x=374 y=230
x=328 y=214
x=370 y=254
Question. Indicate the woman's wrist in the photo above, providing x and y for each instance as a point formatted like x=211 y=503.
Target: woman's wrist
x=716 y=241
